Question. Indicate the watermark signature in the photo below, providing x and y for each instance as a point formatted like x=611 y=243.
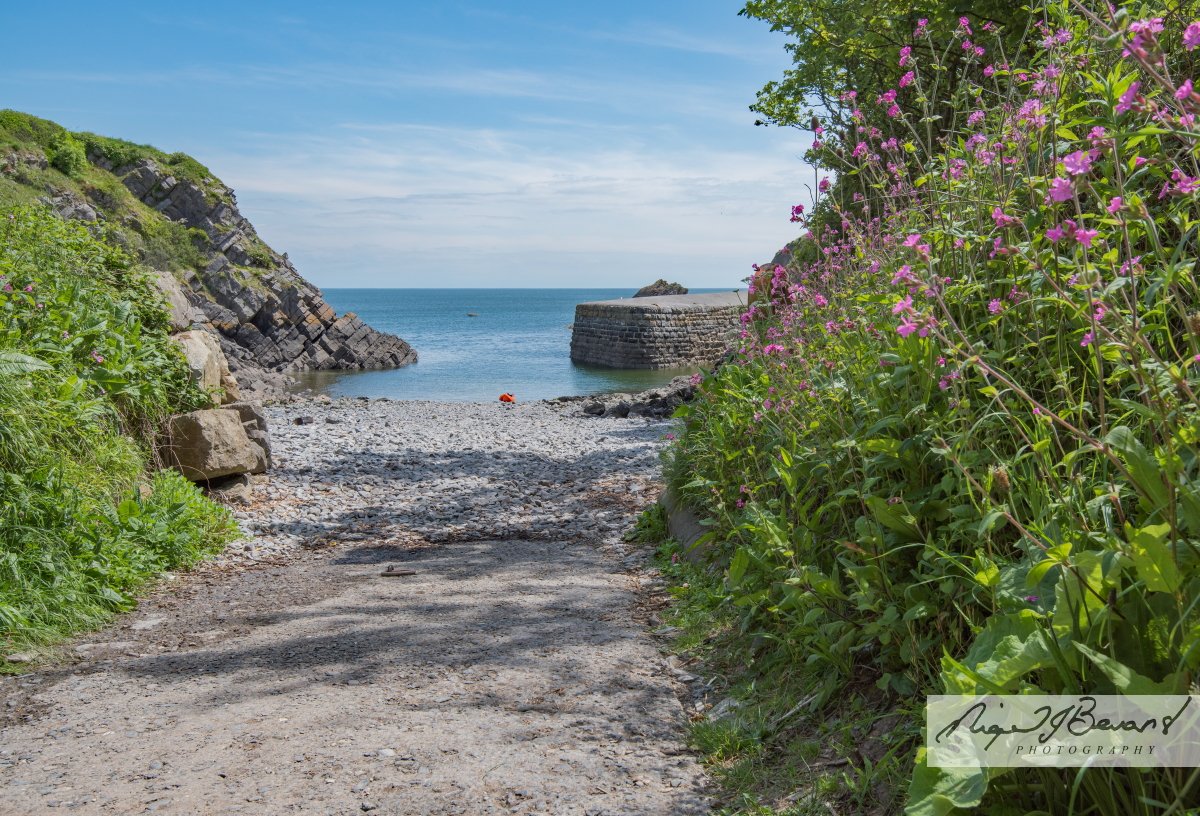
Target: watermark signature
x=1011 y=730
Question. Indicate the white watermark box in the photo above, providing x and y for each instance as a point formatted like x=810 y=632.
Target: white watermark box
x=1060 y=731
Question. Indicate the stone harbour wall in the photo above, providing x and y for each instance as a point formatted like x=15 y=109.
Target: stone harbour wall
x=656 y=332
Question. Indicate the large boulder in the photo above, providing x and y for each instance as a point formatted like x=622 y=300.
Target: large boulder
x=661 y=287
x=208 y=444
x=210 y=369
x=254 y=421
x=181 y=310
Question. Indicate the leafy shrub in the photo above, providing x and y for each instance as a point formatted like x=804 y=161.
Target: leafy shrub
x=67 y=155
x=87 y=374
x=968 y=426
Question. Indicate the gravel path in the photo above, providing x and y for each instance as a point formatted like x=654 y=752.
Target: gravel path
x=514 y=672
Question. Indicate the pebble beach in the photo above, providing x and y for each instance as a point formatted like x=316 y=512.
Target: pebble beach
x=506 y=663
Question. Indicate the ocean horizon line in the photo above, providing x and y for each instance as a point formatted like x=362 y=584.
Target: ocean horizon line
x=691 y=290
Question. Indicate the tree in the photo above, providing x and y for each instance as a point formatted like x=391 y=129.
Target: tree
x=852 y=45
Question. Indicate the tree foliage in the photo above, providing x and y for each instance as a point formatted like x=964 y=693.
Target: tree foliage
x=842 y=45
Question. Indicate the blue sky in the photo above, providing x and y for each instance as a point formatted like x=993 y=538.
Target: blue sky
x=446 y=143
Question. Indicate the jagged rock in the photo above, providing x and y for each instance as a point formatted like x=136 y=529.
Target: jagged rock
x=657 y=403
x=209 y=368
x=211 y=443
x=661 y=287
x=619 y=409
x=270 y=319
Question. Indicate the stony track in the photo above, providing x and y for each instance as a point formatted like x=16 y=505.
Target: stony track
x=512 y=673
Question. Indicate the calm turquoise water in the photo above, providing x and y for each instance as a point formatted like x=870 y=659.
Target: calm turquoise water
x=519 y=342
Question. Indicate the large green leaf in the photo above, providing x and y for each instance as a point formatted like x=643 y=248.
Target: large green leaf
x=939 y=791
x=14 y=362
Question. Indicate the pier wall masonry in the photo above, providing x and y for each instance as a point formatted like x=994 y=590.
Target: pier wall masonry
x=656 y=332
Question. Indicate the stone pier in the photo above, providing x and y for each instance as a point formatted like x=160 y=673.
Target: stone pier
x=656 y=332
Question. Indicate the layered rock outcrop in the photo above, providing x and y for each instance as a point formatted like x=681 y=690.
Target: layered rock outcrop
x=268 y=318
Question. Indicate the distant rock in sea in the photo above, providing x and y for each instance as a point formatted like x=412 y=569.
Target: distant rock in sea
x=661 y=287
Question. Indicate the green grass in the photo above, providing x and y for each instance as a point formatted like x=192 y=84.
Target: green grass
x=87 y=376
x=774 y=753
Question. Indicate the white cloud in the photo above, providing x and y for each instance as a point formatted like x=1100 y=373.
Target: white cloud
x=417 y=205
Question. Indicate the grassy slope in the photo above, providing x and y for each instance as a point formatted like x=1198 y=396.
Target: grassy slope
x=87 y=375
x=146 y=233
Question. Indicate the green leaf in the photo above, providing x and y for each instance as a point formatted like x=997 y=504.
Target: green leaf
x=1143 y=467
x=14 y=362
x=941 y=791
x=888 y=516
x=1126 y=680
x=737 y=566
x=1153 y=558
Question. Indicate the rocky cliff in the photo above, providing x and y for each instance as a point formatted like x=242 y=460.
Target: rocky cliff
x=181 y=220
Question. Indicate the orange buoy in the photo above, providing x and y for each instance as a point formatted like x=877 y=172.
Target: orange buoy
x=506 y=397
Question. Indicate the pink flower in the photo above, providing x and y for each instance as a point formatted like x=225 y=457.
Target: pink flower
x=1183 y=183
x=1078 y=163
x=903 y=306
x=1003 y=220
x=975 y=118
x=824 y=185
x=908 y=78
x=1088 y=339
x=1061 y=190
x=989 y=71
x=913 y=240
x=1055 y=234
x=29 y=288
x=1085 y=236
x=1191 y=36
x=1125 y=103
x=995 y=306
x=797 y=212
x=1185 y=90
x=906 y=328
x=906 y=54
x=1115 y=205
x=903 y=274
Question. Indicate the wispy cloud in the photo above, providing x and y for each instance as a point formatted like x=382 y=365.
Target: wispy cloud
x=412 y=205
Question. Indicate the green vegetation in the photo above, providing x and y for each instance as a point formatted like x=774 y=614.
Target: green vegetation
x=959 y=448
x=87 y=375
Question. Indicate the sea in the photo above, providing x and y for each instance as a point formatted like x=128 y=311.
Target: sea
x=475 y=344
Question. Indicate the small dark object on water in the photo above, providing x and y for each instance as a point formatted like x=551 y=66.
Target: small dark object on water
x=392 y=571
x=302 y=420
x=472 y=314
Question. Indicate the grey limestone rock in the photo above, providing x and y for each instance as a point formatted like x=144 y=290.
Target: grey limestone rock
x=270 y=320
x=661 y=287
x=211 y=443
